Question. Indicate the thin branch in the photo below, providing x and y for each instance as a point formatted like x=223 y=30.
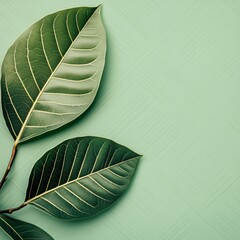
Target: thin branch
x=4 y=178
x=10 y=210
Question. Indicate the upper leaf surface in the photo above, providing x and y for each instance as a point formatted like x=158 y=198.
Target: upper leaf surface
x=19 y=230
x=51 y=74
x=81 y=177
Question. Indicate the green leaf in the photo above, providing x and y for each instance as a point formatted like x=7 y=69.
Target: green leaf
x=81 y=177
x=51 y=74
x=19 y=230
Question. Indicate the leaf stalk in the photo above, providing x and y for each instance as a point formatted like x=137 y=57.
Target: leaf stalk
x=13 y=155
x=11 y=210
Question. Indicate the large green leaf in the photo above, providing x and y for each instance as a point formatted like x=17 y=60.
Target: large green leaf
x=19 y=230
x=81 y=177
x=51 y=74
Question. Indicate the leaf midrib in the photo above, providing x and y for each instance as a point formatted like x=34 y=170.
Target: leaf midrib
x=77 y=179
x=45 y=85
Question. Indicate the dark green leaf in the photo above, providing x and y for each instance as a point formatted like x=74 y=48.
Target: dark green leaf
x=81 y=177
x=51 y=74
x=19 y=230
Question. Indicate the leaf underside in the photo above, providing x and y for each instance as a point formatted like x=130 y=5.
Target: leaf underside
x=19 y=230
x=81 y=177
x=51 y=74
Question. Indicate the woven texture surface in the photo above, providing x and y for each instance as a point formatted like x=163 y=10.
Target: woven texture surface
x=170 y=91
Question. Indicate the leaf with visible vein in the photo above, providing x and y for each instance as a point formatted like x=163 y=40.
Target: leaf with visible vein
x=81 y=177
x=19 y=230
x=51 y=74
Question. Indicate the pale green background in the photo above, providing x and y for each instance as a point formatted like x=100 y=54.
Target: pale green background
x=170 y=91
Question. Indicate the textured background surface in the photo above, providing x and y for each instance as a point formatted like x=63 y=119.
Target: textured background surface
x=171 y=91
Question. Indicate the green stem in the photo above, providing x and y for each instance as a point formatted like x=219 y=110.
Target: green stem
x=4 y=178
x=10 y=210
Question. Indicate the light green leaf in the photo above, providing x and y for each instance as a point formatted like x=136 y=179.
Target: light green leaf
x=81 y=177
x=19 y=230
x=51 y=74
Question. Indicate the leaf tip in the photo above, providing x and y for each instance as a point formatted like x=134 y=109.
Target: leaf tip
x=99 y=7
x=140 y=157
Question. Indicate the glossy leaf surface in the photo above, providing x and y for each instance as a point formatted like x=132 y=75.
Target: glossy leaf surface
x=52 y=72
x=20 y=230
x=81 y=177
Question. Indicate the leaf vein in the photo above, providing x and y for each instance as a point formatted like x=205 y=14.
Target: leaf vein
x=78 y=197
x=55 y=35
x=70 y=203
x=84 y=159
x=54 y=205
x=101 y=186
x=43 y=45
x=68 y=27
x=96 y=195
x=29 y=63
x=11 y=228
x=18 y=75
